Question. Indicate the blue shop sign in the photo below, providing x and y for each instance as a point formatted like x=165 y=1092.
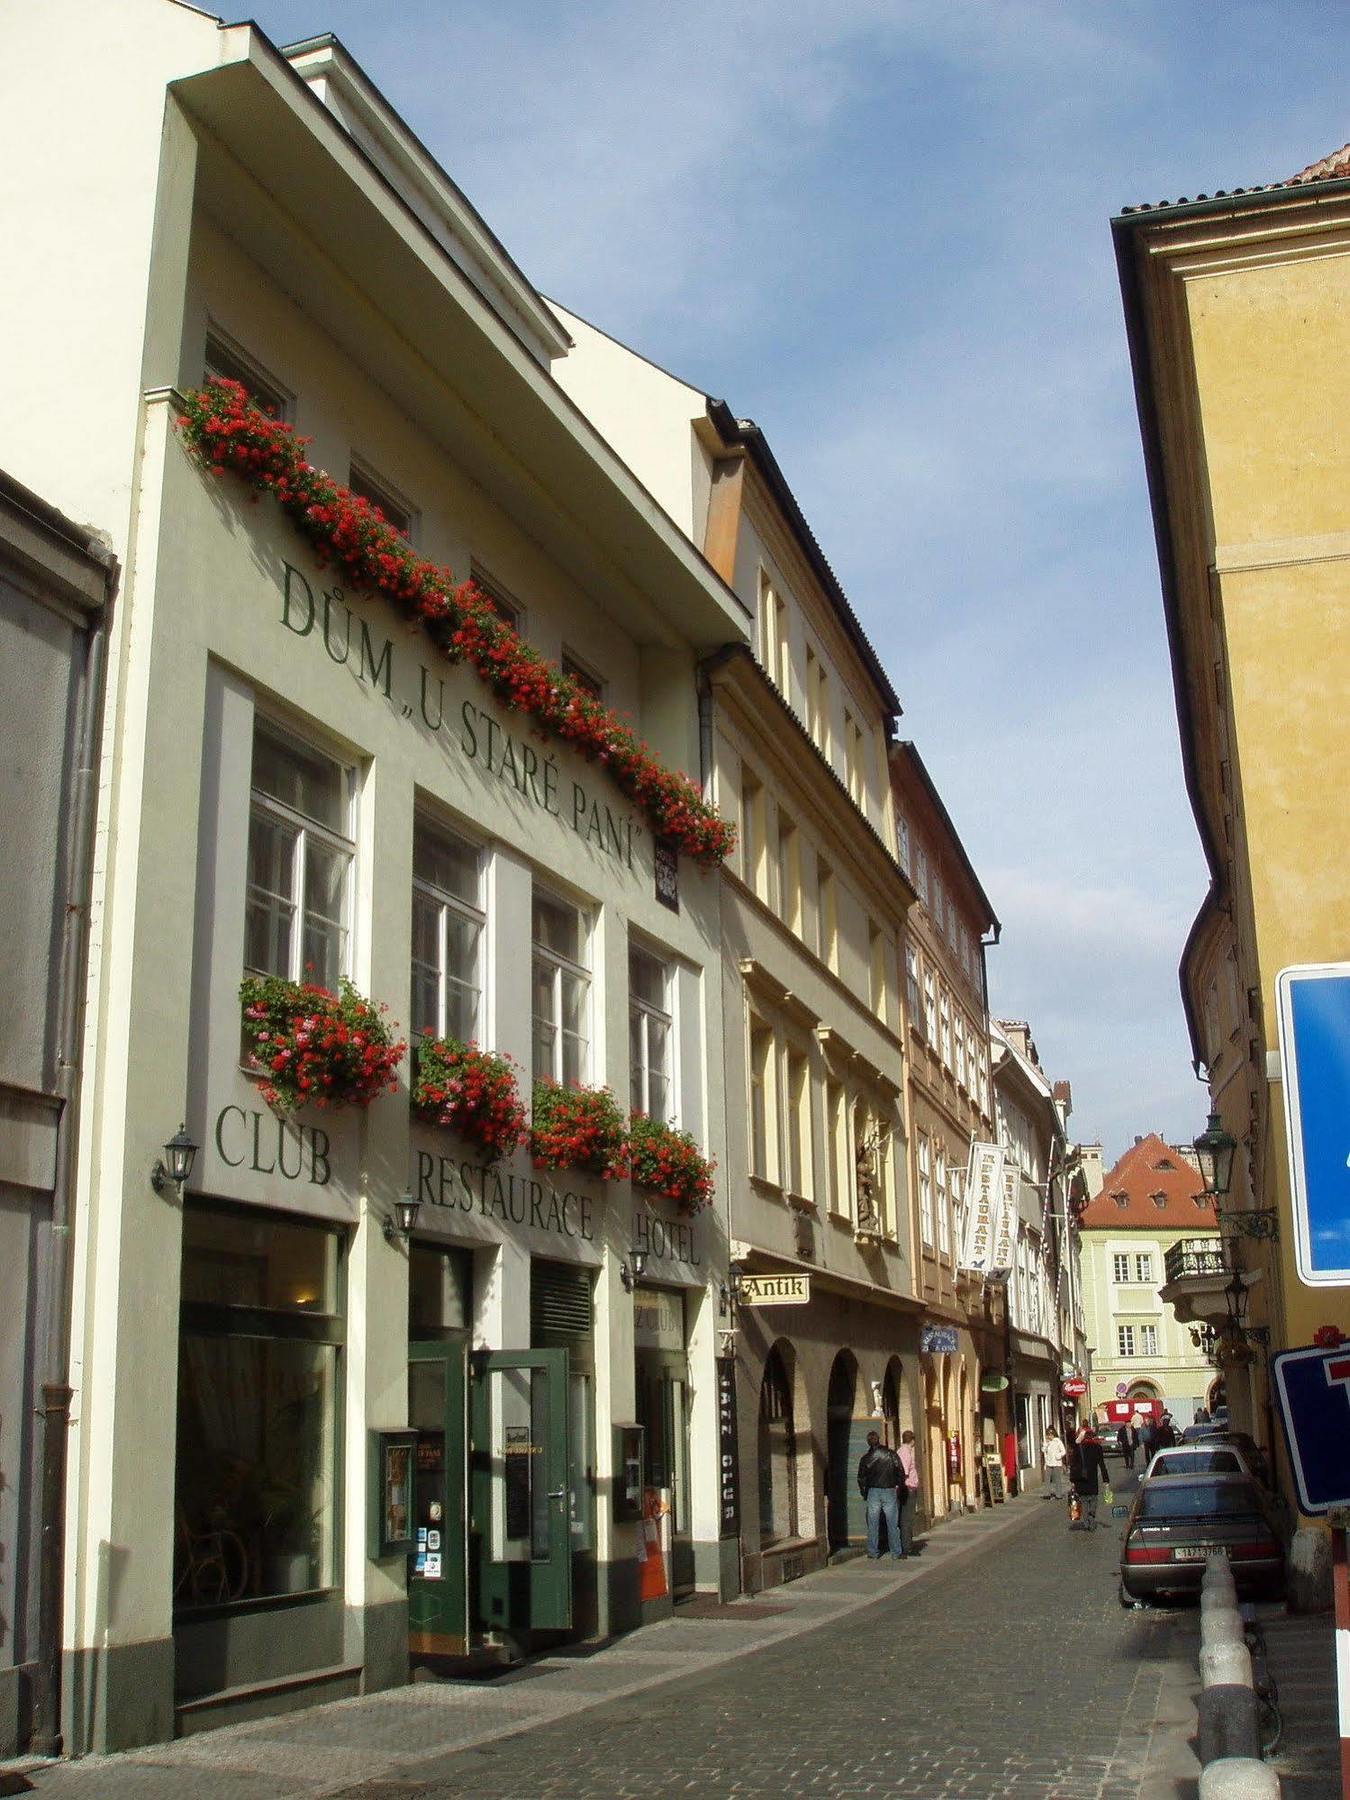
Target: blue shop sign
x=937 y=1340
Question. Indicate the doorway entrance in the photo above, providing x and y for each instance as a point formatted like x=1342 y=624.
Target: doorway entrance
x=842 y=1453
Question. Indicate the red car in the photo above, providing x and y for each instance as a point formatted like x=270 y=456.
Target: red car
x=1177 y=1520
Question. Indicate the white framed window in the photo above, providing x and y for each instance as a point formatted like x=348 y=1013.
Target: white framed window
x=763 y=1100
x=1125 y=1340
x=827 y=915
x=921 y=874
x=1143 y=1265
x=651 y=1035
x=1148 y=1340
x=902 y=842
x=912 y=1001
x=562 y=990
x=876 y=962
x=398 y=512
x=800 y=1137
x=1120 y=1266
x=930 y=1007
x=583 y=674
x=225 y=358
x=945 y=1028
x=752 y=827
x=507 y=608
x=836 y=1138
x=789 y=873
x=773 y=637
x=942 y=1201
x=448 y=925
x=300 y=854
x=925 y=1189
x=960 y=1050
x=855 y=759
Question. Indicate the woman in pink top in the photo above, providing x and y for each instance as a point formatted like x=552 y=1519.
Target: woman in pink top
x=910 y=1498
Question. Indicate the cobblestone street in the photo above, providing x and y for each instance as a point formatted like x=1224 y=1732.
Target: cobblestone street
x=1018 y=1674
x=999 y=1663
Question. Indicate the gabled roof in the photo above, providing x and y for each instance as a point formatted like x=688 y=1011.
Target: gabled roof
x=1335 y=167
x=1160 y=1193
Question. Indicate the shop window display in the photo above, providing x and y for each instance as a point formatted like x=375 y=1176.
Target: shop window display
x=258 y=1377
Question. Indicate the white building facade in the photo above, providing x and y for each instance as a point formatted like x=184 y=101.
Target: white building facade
x=299 y=784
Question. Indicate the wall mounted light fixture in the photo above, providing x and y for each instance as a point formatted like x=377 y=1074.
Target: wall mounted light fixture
x=631 y=1272
x=399 y=1230
x=174 y=1168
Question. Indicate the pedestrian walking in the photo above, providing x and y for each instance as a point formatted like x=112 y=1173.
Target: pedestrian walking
x=1087 y=1472
x=908 y=1501
x=1125 y=1443
x=1167 y=1432
x=880 y=1475
x=1054 y=1457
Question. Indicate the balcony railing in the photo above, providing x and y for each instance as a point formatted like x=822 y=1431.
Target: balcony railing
x=1194 y=1258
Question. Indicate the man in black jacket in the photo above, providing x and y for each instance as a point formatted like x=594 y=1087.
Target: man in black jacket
x=881 y=1482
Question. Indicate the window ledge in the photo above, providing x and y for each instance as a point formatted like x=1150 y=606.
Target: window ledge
x=763 y=1185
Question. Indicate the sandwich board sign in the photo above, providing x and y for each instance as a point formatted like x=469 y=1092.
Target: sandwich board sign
x=1314 y=1017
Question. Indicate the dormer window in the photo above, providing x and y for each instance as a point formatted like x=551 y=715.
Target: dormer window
x=1121 y=1200
x=1159 y=1200
x=1164 y=1162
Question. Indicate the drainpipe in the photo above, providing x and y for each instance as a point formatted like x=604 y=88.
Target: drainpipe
x=71 y=980
x=706 y=669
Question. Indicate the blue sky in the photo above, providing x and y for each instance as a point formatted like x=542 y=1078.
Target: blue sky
x=881 y=230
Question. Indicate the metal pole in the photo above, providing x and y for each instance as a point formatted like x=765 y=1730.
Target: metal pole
x=1340 y=1584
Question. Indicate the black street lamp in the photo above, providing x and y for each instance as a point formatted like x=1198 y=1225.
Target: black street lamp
x=1215 y=1149
x=400 y=1230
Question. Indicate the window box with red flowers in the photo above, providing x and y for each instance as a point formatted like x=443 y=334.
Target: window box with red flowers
x=226 y=432
x=471 y=1091
x=316 y=1048
x=668 y=1162
x=579 y=1128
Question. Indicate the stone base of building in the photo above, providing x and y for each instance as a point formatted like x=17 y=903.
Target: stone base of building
x=118 y=1697
x=14 y=1689
x=781 y=1563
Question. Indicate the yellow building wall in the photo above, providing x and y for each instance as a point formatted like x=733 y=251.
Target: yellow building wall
x=1273 y=399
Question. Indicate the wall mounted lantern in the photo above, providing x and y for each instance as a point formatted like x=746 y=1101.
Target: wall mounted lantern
x=729 y=1293
x=399 y=1230
x=631 y=1272
x=174 y=1168
x=1215 y=1149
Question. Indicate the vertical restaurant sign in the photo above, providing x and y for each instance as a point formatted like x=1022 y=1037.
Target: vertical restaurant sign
x=984 y=1190
x=728 y=1485
x=1005 y=1231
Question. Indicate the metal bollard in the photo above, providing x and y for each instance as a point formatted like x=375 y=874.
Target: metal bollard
x=1239 y=1778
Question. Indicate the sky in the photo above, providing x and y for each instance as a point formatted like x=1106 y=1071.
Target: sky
x=881 y=230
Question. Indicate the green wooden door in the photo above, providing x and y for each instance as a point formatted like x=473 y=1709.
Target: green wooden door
x=520 y=1517
x=438 y=1612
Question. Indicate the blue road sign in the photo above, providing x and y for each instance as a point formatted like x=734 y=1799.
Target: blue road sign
x=1314 y=1007
x=1312 y=1390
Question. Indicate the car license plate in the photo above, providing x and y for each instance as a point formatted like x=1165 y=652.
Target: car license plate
x=1190 y=1553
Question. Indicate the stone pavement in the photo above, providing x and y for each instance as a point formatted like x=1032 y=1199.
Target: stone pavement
x=998 y=1663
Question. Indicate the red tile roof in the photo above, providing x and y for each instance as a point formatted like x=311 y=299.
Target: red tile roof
x=1148 y=1169
x=1331 y=168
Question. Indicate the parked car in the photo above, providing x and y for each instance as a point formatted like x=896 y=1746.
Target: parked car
x=1177 y=1520
x=1205 y=1458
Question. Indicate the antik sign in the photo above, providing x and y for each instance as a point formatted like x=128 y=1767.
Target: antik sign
x=418 y=693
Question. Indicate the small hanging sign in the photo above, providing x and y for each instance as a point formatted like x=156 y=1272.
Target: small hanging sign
x=666 y=860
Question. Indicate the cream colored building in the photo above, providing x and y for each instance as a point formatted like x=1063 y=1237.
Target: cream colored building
x=1236 y=310
x=1150 y=1221
x=813 y=909
x=280 y=749
x=963 y=1336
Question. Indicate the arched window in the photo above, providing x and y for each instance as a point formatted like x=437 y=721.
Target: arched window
x=777 y=1454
